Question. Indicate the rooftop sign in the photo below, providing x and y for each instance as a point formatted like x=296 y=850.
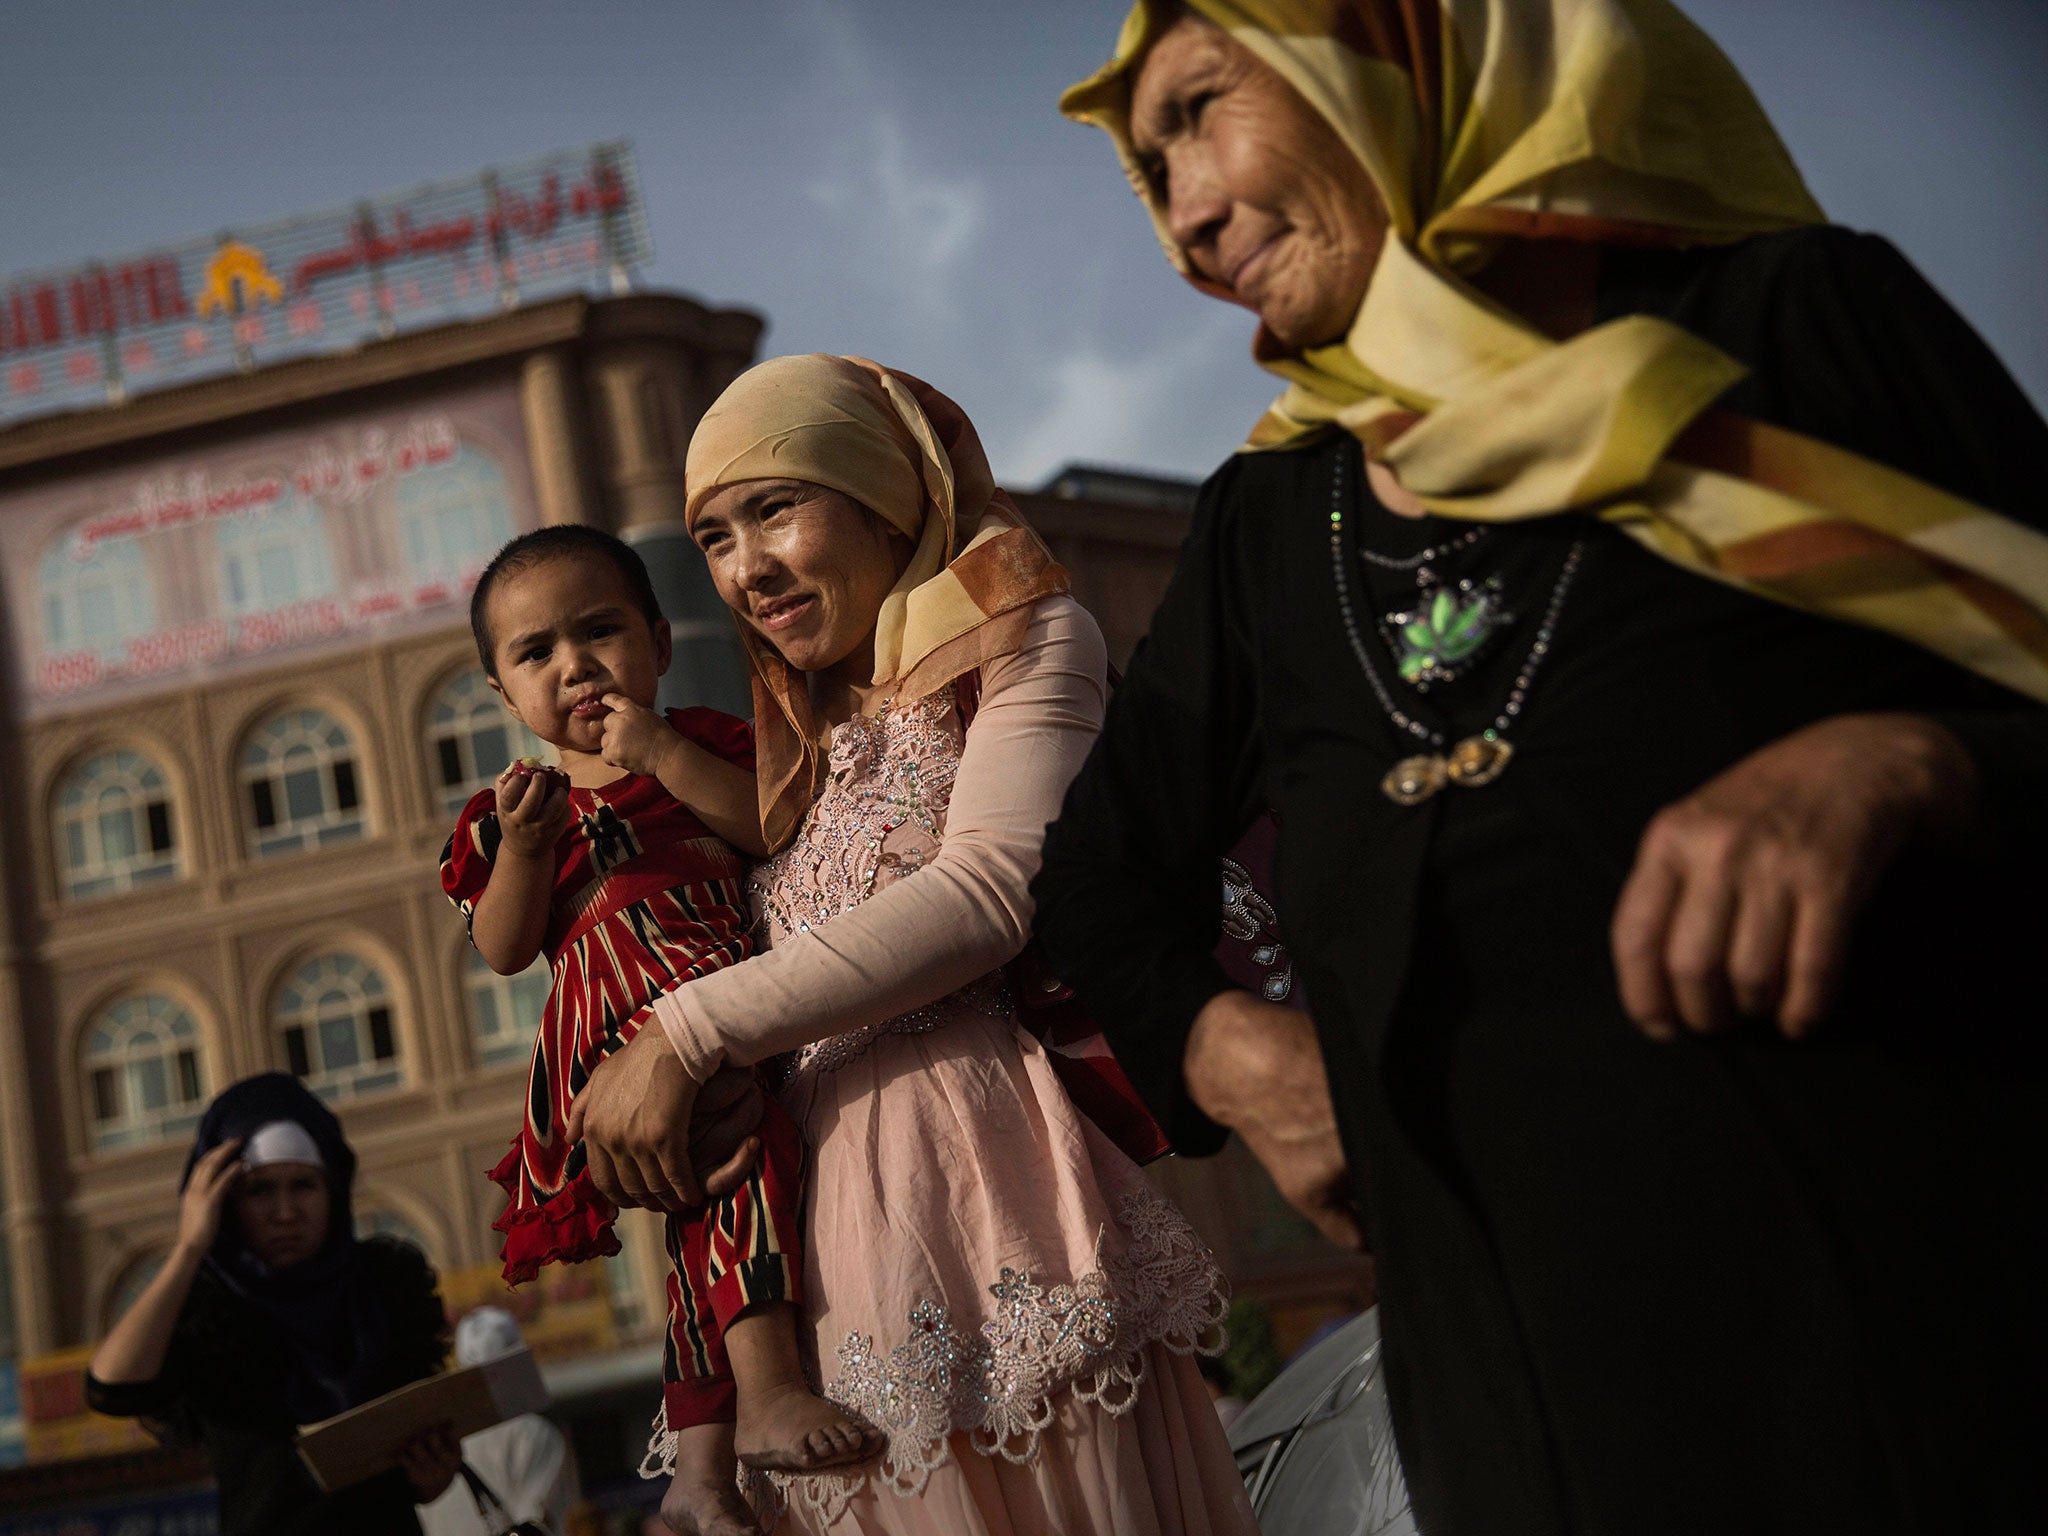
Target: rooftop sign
x=245 y=297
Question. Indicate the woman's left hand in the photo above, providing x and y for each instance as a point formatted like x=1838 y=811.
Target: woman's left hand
x=633 y=1119
x=1744 y=893
x=431 y=1459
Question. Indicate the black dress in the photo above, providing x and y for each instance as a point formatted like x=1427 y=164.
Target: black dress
x=223 y=1385
x=1727 y=1285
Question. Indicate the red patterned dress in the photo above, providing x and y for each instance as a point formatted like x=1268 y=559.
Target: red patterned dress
x=645 y=898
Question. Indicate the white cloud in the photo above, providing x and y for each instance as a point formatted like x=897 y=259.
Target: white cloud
x=911 y=258
x=922 y=223
x=1156 y=408
x=900 y=223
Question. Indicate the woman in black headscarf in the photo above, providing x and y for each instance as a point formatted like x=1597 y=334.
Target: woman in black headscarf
x=270 y=1314
x=1663 y=877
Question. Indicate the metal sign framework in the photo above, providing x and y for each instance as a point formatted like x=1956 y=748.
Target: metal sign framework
x=449 y=250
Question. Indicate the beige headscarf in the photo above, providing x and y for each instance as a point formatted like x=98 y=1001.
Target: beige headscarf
x=1618 y=122
x=911 y=456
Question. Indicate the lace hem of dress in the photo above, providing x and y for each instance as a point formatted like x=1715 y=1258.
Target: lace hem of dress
x=997 y=1383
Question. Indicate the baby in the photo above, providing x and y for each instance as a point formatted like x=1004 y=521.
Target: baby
x=620 y=866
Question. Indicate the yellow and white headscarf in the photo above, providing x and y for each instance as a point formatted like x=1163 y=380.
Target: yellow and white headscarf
x=1618 y=122
x=909 y=455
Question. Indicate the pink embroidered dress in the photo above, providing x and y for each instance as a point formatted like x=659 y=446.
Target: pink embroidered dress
x=988 y=1279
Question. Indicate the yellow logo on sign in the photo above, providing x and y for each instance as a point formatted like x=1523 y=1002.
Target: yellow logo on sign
x=237 y=279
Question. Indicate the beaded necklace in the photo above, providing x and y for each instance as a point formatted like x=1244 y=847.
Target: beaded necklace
x=1474 y=760
x=1428 y=556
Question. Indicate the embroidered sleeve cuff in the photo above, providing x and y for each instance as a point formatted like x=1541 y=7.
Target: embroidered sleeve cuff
x=693 y=1043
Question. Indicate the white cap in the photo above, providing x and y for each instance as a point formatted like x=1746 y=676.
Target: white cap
x=281 y=1141
x=485 y=1333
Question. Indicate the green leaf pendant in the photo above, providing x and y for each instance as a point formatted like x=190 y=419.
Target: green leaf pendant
x=1446 y=631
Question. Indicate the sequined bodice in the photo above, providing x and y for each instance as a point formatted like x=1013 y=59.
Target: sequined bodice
x=879 y=817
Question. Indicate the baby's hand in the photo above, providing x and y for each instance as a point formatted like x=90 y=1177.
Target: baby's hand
x=635 y=737
x=533 y=807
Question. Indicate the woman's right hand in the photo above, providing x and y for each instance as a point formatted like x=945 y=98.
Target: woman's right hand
x=213 y=1179
x=136 y=1346
x=633 y=1118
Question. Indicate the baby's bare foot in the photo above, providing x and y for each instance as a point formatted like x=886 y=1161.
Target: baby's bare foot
x=791 y=1429
x=700 y=1509
x=703 y=1498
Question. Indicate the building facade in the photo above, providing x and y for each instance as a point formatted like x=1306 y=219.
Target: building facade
x=243 y=708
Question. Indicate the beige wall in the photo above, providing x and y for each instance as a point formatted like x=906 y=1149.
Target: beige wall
x=224 y=934
x=608 y=394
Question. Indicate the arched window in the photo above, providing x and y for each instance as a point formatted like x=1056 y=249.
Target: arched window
x=274 y=558
x=472 y=737
x=336 y=1025
x=114 y=826
x=453 y=517
x=504 y=1011
x=145 y=1079
x=95 y=602
x=299 y=784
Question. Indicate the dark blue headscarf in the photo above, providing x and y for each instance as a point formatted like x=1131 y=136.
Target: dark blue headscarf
x=334 y=1330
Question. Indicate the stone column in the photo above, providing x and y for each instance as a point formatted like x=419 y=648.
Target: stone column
x=647 y=401
x=549 y=401
x=709 y=667
x=28 y=1227
x=640 y=389
x=30 y=1131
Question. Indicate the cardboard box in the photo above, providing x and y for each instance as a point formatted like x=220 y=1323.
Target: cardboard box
x=365 y=1441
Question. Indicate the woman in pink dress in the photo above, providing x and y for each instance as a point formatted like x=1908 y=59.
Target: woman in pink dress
x=990 y=1281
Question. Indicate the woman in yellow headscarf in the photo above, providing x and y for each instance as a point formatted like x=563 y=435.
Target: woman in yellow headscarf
x=988 y=1280
x=1633 y=608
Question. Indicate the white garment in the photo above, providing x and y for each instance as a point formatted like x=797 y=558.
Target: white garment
x=281 y=1141
x=527 y=1464
x=486 y=1333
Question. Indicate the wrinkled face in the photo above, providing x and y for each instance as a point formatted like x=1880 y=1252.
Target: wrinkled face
x=281 y=1210
x=805 y=566
x=1260 y=193
x=564 y=633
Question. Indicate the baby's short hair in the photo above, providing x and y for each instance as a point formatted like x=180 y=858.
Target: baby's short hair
x=555 y=542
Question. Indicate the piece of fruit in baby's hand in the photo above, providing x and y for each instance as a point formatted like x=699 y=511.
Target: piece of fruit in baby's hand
x=533 y=767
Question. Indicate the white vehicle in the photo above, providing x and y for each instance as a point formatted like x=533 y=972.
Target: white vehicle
x=1317 y=1446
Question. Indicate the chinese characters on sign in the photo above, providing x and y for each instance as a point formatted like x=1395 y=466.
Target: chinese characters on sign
x=448 y=251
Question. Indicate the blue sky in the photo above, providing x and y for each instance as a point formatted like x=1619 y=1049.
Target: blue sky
x=890 y=177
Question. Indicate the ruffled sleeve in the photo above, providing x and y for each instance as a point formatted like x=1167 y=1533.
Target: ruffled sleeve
x=466 y=860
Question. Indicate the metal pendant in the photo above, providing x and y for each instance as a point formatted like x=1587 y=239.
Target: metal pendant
x=1470 y=763
x=1414 y=779
x=1447 y=629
